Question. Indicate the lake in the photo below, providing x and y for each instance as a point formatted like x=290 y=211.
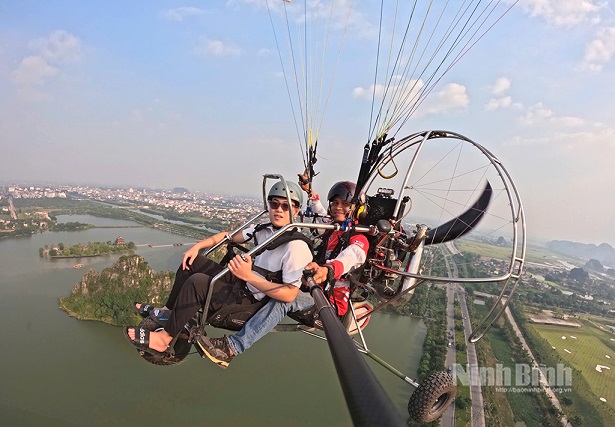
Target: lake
x=59 y=371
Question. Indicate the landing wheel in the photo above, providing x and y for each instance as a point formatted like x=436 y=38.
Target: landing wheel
x=182 y=346
x=432 y=397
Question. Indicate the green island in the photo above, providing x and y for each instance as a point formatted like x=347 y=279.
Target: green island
x=108 y=296
x=90 y=249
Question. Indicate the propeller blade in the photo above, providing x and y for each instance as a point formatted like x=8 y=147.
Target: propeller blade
x=465 y=222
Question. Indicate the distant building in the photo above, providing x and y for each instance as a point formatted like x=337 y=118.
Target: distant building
x=120 y=241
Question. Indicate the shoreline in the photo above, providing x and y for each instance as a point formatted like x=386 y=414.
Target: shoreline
x=87 y=256
x=78 y=317
x=76 y=256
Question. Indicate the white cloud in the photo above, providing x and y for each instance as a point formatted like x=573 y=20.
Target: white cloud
x=406 y=92
x=536 y=114
x=59 y=46
x=399 y=88
x=497 y=103
x=453 y=96
x=207 y=47
x=500 y=86
x=569 y=121
x=33 y=70
x=265 y=52
x=344 y=14
x=340 y=14
x=275 y=5
x=180 y=13
x=367 y=92
x=500 y=99
x=561 y=13
x=600 y=50
x=539 y=115
x=594 y=136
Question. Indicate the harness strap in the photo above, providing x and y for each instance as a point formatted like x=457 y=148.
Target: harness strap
x=272 y=276
x=258 y=228
x=321 y=251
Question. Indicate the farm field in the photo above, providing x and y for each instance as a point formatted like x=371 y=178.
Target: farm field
x=483 y=249
x=536 y=254
x=540 y=254
x=585 y=348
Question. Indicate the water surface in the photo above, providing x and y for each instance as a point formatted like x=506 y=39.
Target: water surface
x=61 y=371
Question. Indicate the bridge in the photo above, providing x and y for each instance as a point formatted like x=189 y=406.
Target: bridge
x=166 y=245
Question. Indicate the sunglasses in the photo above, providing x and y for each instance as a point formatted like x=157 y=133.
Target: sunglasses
x=274 y=204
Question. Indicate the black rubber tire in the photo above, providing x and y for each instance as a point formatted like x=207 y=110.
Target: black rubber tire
x=432 y=397
x=182 y=347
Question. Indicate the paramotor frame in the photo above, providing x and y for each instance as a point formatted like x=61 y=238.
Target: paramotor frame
x=506 y=197
x=397 y=263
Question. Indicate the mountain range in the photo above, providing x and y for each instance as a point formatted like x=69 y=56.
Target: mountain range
x=604 y=252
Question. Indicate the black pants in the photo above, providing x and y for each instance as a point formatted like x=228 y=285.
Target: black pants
x=189 y=293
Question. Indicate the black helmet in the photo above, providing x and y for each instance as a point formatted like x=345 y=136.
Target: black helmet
x=344 y=189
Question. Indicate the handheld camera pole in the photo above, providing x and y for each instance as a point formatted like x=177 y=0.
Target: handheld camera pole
x=367 y=401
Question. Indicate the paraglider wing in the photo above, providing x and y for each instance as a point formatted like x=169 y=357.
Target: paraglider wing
x=459 y=226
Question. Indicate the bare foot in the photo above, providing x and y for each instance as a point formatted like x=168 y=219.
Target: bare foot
x=158 y=341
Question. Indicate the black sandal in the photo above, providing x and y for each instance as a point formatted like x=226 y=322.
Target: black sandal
x=141 y=342
x=144 y=310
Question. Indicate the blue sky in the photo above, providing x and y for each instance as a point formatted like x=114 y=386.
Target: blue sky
x=167 y=93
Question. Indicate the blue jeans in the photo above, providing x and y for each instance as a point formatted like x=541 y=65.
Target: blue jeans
x=265 y=320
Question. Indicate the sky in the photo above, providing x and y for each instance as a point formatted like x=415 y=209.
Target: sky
x=165 y=94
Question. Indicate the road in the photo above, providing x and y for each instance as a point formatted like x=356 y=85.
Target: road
x=477 y=411
x=478 y=408
x=448 y=418
x=12 y=208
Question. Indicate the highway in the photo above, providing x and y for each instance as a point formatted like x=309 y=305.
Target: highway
x=477 y=411
x=12 y=208
x=448 y=418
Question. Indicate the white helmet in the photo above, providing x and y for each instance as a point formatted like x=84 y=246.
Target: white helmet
x=278 y=190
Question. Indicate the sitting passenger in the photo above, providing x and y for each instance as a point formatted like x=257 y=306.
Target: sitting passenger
x=242 y=285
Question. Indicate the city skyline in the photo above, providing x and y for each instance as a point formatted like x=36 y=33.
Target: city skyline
x=173 y=94
x=204 y=203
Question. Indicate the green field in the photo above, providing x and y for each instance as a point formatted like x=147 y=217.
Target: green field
x=483 y=249
x=535 y=254
x=540 y=254
x=588 y=350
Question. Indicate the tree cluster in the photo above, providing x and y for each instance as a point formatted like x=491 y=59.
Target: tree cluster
x=89 y=249
x=108 y=296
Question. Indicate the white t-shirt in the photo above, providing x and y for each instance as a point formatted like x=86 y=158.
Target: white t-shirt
x=291 y=258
